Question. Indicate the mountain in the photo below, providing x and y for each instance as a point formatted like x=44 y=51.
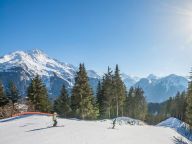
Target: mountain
x=128 y=80
x=160 y=89
x=21 y=67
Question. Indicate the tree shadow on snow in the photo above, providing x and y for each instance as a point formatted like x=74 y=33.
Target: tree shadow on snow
x=177 y=140
x=112 y=128
x=44 y=128
x=39 y=129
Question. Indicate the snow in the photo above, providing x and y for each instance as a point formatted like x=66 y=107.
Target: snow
x=129 y=121
x=34 y=129
x=93 y=74
x=179 y=126
x=37 y=62
x=130 y=77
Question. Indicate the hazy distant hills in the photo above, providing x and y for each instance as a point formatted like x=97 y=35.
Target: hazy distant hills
x=21 y=67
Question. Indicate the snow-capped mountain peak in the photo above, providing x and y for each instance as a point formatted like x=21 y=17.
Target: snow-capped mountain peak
x=125 y=76
x=152 y=77
x=35 y=51
x=35 y=62
x=24 y=65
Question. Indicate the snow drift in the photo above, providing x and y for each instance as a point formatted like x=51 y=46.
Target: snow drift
x=180 y=126
x=129 y=121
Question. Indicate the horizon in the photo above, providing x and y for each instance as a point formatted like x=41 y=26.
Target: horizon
x=151 y=37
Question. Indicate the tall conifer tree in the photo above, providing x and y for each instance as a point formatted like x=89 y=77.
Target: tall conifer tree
x=62 y=103
x=82 y=101
x=99 y=98
x=189 y=102
x=38 y=95
x=119 y=92
x=3 y=98
x=107 y=94
x=13 y=95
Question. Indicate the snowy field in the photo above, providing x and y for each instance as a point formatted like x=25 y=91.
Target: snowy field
x=35 y=130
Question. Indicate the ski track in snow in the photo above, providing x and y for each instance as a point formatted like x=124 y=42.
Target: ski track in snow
x=35 y=130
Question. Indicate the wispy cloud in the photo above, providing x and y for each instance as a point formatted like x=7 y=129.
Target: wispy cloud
x=182 y=8
x=182 y=11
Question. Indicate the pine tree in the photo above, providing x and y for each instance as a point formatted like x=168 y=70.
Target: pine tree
x=136 y=105
x=82 y=101
x=189 y=102
x=99 y=97
x=119 y=92
x=182 y=106
x=107 y=94
x=129 y=102
x=38 y=96
x=3 y=98
x=13 y=95
x=62 y=103
x=141 y=104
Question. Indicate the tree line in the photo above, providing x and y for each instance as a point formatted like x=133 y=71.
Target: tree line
x=112 y=100
x=179 y=106
x=173 y=107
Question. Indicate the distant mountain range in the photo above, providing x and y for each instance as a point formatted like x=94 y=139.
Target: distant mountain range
x=22 y=66
x=159 y=89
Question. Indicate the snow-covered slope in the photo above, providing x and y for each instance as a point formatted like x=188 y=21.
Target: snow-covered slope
x=179 y=126
x=35 y=130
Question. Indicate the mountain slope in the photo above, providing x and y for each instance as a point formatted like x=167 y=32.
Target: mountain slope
x=21 y=67
x=160 y=89
x=128 y=80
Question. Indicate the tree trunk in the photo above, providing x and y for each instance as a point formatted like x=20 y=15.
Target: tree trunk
x=117 y=107
x=109 y=114
x=12 y=109
x=122 y=113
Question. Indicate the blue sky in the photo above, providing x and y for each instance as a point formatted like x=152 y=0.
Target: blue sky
x=142 y=36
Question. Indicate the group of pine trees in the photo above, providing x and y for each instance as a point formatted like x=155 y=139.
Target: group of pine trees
x=81 y=104
x=136 y=105
x=173 y=107
x=112 y=99
x=176 y=107
x=189 y=103
x=38 y=96
x=9 y=98
x=111 y=95
x=36 y=93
